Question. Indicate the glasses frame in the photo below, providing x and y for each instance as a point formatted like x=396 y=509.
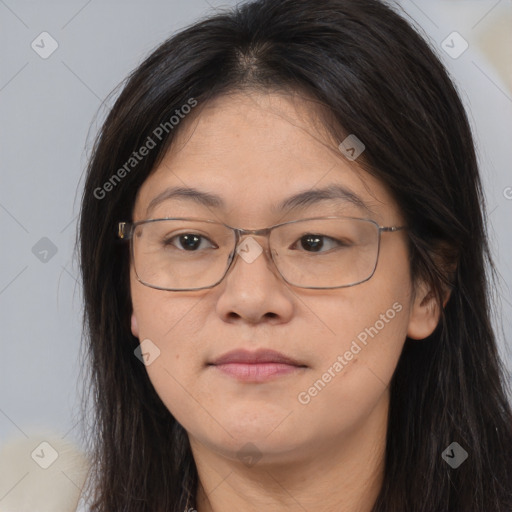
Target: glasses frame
x=125 y=232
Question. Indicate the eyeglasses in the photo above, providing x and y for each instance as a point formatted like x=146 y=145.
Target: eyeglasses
x=186 y=254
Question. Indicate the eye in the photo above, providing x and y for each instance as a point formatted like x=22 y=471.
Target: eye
x=317 y=243
x=189 y=242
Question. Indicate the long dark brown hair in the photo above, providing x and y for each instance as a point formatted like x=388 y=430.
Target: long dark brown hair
x=379 y=79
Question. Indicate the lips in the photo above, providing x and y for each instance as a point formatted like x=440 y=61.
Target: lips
x=263 y=365
x=261 y=356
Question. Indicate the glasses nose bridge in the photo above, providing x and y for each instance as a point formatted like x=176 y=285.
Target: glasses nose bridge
x=241 y=233
x=257 y=232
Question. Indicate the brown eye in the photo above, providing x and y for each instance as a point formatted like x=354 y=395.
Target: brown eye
x=188 y=242
x=312 y=243
x=317 y=243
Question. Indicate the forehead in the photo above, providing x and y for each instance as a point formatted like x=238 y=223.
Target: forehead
x=253 y=151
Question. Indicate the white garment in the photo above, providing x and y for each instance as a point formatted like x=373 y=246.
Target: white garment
x=41 y=473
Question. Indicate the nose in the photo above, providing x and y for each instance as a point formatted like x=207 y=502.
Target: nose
x=253 y=291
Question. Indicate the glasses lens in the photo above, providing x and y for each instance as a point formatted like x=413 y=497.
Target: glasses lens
x=316 y=253
x=181 y=254
x=326 y=253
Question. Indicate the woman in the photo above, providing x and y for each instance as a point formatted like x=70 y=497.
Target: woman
x=283 y=255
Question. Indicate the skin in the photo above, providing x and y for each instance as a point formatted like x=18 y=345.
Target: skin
x=254 y=150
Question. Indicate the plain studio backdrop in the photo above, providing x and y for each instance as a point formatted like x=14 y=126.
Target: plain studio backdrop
x=59 y=61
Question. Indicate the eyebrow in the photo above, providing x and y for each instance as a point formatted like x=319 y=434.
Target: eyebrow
x=193 y=194
x=297 y=201
x=315 y=195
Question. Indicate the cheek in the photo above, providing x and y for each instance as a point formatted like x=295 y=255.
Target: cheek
x=365 y=328
x=160 y=315
x=369 y=321
x=168 y=325
x=172 y=324
x=362 y=341
x=380 y=309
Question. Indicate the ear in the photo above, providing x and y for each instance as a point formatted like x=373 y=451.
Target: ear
x=134 y=326
x=425 y=312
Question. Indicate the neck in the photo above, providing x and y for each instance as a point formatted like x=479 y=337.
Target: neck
x=342 y=473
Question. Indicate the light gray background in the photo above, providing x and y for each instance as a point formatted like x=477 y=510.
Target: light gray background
x=46 y=109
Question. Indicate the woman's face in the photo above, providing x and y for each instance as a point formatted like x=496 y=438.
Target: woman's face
x=255 y=151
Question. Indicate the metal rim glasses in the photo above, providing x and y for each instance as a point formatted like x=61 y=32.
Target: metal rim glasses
x=187 y=254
